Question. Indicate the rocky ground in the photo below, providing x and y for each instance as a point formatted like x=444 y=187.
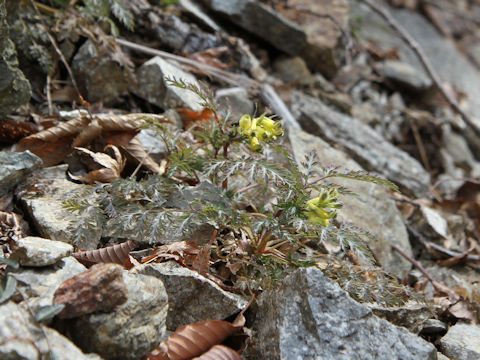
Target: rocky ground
x=391 y=88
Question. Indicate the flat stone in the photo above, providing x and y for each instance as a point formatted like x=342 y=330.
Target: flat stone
x=310 y=317
x=405 y=75
x=462 y=342
x=39 y=284
x=100 y=288
x=372 y=209
x=37 y=251
x=132 y=329
x=317 y=40
x=364 y=144
x=15 y=167
x=192 y=297
x=22 y=338
x=153 y=88
x=42 y=197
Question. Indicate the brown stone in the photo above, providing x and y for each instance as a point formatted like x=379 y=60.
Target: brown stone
x=101 y=288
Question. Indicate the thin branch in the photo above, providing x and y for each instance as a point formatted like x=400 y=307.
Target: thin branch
x=405 y=36
x=437 y=285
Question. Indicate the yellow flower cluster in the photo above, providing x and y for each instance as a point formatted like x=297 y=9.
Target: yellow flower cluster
x=259 y=129
x=319 y=209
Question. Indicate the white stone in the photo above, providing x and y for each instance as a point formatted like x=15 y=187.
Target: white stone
x=37 y=251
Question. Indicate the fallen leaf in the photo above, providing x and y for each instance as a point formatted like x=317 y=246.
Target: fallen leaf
x=219 y=352
x=107 y=168
x=117 y=253
x=191 y=118
x=193 y=340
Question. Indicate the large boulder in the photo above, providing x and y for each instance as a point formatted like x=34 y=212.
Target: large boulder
x=14 y=87
x=310 y=317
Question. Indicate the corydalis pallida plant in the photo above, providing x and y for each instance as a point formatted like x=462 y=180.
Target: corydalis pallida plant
x=214 y=175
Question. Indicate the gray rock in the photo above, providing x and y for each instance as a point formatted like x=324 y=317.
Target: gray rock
x=37 y=251
x=21 y=338
x=42 y=196
x=236 y=101
x=40 y=284
x=132 y=329
x=179 y=35
x=153 y=87
x=14 y=87
x=153 y=144
x=412 y=315
x=462 y=342
x=316 y=40
x=405 y=75
x=99 y=75
x=292 y=69
x=310 y=317
x=372 y=209
x=434 y=326
x=192 y=297
x=462 y=157
x=14 y=168
x=450 y=63
x=363 y=143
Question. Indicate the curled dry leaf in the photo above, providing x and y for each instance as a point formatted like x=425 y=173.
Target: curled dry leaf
x=106 y=168
x=135 y=149
x=117 y=253
x=183 y=252
x=54 y=144
x=219 y=352
x=193 y=340
x=191 y=118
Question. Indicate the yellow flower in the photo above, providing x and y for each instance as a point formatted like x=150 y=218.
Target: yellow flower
x=259 y=129
x=271 y=128
x=320 y=209
x=255 y=144
x=246 y=125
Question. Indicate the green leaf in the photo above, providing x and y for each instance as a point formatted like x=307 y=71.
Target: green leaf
x=9 y=284
x=10 y=262
x=48 y=312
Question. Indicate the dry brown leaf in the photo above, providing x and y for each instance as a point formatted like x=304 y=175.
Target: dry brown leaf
x=219 y=352
x=117 y=253
x=193 y=340
x=88 y=134
x=12 y=131
x=191 y=118
x=135 y=149
x=180 y=251
x=211 y=57
x=106 y=168
x=54 y=144
x=464 y=311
